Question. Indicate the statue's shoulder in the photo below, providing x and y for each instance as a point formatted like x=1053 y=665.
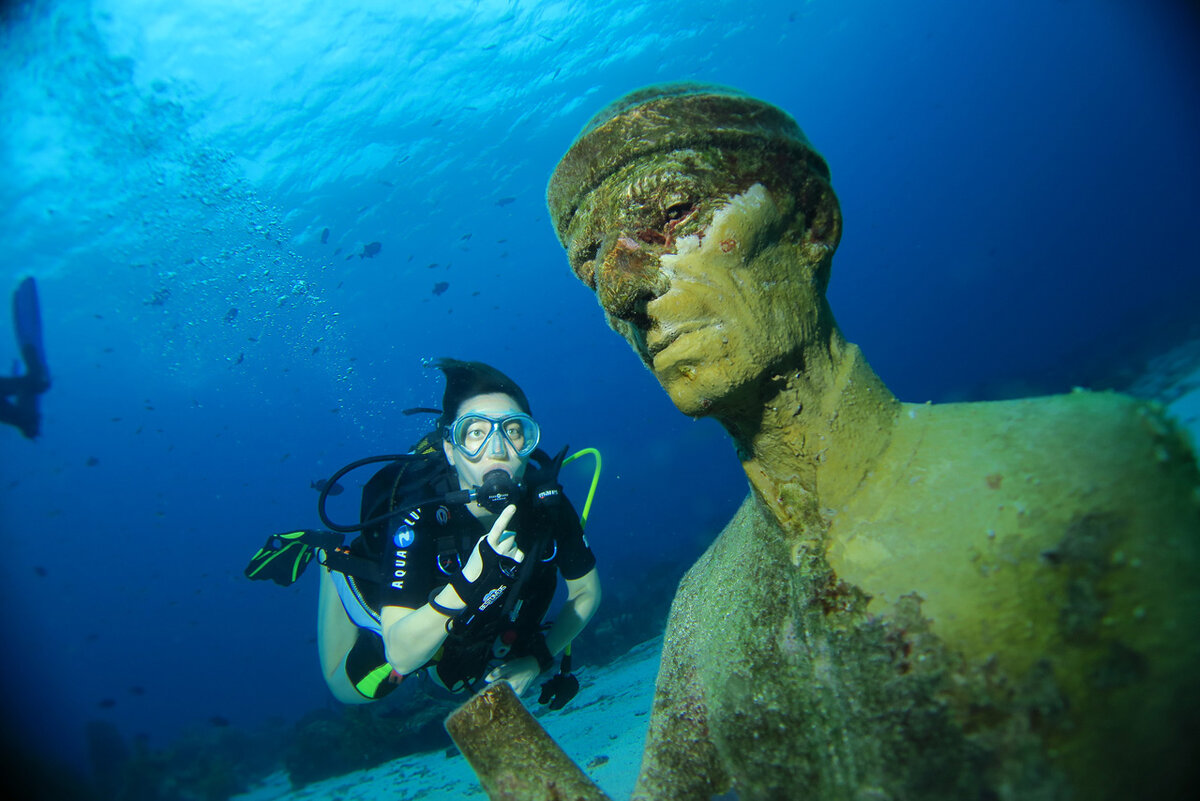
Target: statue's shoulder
x=1084 y=434
x=1048 y=418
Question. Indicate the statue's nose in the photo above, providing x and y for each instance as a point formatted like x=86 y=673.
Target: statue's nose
x=627 y=278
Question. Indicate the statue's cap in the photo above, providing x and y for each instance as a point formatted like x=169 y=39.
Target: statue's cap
x=661 y=119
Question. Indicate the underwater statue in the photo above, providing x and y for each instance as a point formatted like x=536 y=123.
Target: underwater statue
x=993 y=600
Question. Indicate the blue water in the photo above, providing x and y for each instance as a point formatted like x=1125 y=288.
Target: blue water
x=1019 y=178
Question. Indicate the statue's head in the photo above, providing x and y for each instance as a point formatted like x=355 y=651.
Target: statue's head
x=705 y=223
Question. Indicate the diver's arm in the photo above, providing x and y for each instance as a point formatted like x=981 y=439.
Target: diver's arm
x=412 y=636
x=583 y=597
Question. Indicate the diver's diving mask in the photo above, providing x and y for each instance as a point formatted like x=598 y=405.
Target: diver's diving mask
x=474 y=432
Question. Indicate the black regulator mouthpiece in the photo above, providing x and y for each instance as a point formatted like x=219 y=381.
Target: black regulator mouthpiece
x=497 y=491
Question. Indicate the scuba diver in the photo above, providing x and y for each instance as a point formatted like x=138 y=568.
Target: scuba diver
x=456 y=565
x=24 y=389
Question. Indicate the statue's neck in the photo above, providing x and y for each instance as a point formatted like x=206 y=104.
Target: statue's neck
x=823 y=422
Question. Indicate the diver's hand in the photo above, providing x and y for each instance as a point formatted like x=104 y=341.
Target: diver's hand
x=519 y=673
x=492 y=567
x=501 y=541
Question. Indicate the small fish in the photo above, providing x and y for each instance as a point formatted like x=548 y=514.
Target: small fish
x=325 y=236
x=370 y=250
x=440 y=287
x=431 y=265
x=159 y=298
x=106 y=703
x=464 y=237
x=137 y=689
x=316 y=350
x=231 y=315
x=92 y=461
x=320 y=484
x=219 y=721
x=40 y=571
x=241 y=357
x=504 y=201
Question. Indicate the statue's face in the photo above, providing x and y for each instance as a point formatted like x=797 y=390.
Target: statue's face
x=711 y=276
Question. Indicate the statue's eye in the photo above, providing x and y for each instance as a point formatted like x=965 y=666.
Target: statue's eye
x=679 y=211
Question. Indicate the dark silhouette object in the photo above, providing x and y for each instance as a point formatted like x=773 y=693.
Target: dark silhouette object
x=322 y=483
x=23 y=389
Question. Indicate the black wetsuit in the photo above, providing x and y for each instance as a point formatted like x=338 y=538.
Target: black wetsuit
x=419 y=552
x=23 y=411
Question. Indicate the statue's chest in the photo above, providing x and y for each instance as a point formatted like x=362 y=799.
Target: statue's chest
x=803 y=688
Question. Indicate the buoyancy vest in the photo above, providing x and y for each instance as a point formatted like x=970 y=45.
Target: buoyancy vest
x=360 y=575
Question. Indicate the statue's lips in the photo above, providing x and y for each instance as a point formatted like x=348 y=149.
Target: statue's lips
x=660 y=337
x=657 y=344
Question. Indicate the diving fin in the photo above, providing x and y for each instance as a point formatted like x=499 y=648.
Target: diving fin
x=284 y=556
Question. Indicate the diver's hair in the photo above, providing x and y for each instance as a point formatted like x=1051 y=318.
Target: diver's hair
x=465 y=380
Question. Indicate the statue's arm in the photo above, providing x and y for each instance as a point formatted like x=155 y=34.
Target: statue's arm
x=679 y=761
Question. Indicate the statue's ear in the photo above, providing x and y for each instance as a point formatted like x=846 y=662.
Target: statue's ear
x=822 y=215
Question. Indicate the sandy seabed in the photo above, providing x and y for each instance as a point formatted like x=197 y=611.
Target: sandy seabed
x=602 y=729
